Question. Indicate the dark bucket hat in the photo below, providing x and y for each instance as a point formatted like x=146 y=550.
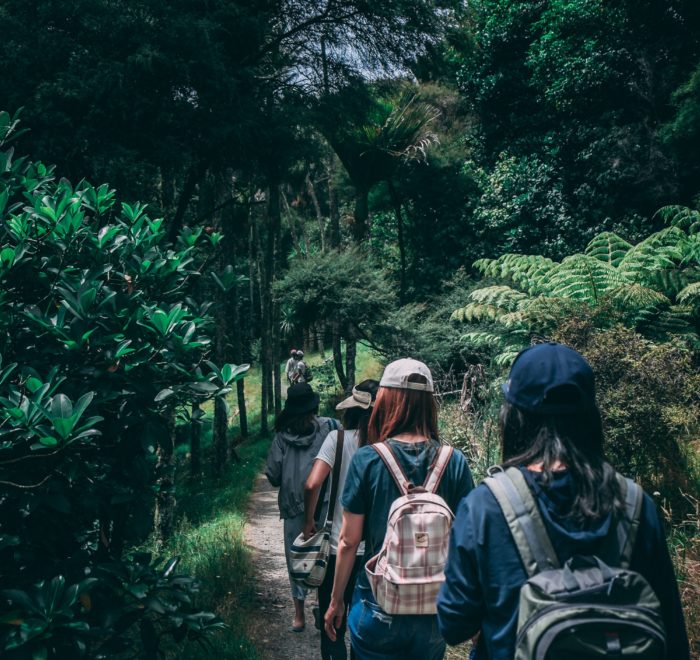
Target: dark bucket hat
x=551 y=379
x=301 y=399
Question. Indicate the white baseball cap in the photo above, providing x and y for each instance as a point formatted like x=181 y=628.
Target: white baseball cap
x=358 y=399
x=397 y=373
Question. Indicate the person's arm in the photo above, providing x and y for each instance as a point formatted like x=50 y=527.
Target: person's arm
x=460 y=604
x=273 y=467
x=319 y=473
x=350 y=538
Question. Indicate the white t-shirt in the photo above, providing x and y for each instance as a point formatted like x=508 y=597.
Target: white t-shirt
x=327 y=455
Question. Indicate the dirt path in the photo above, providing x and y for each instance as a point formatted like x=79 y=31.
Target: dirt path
x=274 y=600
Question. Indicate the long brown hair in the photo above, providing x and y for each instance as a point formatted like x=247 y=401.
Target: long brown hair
x=403 y=411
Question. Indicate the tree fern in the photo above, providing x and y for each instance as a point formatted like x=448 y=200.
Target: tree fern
x=608 y=247
x=681 y=217
x=690 y=294
x=525 y=270
x=581 y=277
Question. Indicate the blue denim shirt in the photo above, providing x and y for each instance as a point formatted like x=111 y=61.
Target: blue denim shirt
x=484 y=572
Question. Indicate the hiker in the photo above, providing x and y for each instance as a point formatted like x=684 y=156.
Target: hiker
x=357 y=409
x=402 y=428
x=291 y=366
x=299 y=436
x=299 y=375
x=552 y=437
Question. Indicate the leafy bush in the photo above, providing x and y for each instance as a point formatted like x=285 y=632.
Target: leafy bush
x=649 y=395
x=100 y=344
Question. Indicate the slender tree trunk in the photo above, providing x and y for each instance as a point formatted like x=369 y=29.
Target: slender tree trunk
x=350 y=355
x=164 y=515
x=361 y=216
x=237 y=350
x=264 y=334
x=317 y=207
x=402 y=244
x=320 y=330
x=277 y=376
x=333 y=204
x=193 y=177
x=195 y=441
x=338 y=355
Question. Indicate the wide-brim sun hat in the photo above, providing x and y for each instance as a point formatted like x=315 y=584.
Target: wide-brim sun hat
x=551 y=379
x=397 y=374
x=301 y=399
x=358 y=399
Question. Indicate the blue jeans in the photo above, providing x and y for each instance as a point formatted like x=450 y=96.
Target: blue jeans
x=376 y=635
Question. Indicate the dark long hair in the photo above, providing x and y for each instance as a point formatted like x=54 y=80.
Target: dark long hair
x=576 y=441
x=403 y=411
x=358 y=418
x=296 y=424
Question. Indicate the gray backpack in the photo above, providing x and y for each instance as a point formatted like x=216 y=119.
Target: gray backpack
x=585 y=609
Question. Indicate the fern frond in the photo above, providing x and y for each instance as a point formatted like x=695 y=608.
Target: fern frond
x=474 y=312
x=500 y=295
x=637 y=296
x=581 y=277
x=507 y=355
x=682 y=217
x=525 y=270
x=690 y=294
x=660 y=251
x=674 y=320
x=608 y=247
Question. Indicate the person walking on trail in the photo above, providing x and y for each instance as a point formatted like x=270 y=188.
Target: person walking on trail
x=291 y=366
x=357 y=410
x=577 y=522
x=299 y=375
x=298 y=439
x=403 y=431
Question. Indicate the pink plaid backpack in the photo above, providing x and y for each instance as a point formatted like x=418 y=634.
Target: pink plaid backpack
x=407 y=573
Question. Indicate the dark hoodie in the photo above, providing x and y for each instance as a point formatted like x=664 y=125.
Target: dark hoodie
x=289 y=462
x=484 y=572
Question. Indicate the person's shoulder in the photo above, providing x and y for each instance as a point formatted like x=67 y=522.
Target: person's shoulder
x=366 y=455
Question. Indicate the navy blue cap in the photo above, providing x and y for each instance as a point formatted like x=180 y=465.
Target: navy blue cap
x=551 y=379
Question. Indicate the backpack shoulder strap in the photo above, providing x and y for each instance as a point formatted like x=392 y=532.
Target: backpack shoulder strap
x=437 y=469
x=627 y=526
x=385 y=453
x=524 y=520
x=335 y=479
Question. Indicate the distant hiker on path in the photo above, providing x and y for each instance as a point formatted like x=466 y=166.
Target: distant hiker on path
x=576 y=535
x=291 y=366
x=298 y=439
x=357 y=410
x=403 y=426
x=300 y=369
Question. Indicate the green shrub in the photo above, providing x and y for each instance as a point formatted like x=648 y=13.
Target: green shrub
x=100 y=345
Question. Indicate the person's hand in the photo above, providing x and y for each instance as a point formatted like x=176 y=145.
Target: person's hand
x=309 y=530
x=333 y=618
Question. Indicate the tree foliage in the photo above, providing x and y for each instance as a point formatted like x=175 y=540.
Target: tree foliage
x=100 y=344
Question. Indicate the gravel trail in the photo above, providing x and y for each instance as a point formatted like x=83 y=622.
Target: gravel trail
x=273 y=597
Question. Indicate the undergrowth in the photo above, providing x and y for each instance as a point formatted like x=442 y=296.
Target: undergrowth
x=210 y=541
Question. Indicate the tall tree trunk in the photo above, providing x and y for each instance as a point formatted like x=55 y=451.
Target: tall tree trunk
x=193 y=177
x=317 y=207
x=237 y=351
x=264 y=333
x=320 y=330
x=338 y=355
x=195 y=441
x=276 y=357
x=350 y=355
x=333 y=203
x=164 y=514
x=361 y=216
x=402 y=244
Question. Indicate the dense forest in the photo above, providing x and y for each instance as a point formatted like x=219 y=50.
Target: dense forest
x=189 y=189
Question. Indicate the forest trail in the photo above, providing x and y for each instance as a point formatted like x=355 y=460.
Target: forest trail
x=273 y=598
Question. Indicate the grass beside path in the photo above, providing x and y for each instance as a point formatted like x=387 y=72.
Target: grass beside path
x=210 y=541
